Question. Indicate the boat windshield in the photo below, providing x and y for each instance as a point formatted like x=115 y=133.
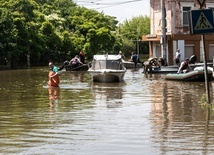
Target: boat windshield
x=107 y=64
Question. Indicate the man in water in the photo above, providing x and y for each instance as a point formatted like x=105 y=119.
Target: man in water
x=53 y=75
x=52 y=67
x=53 y=84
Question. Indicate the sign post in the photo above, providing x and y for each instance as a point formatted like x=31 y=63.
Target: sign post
x=201 y=22
x=201 y=3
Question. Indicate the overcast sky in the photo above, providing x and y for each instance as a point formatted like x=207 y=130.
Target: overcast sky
x=122 y=9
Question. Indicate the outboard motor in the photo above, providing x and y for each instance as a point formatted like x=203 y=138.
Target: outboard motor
x=64 y=64
x=192 y=59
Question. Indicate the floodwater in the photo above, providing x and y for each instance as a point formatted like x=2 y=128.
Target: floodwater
x=144 y=115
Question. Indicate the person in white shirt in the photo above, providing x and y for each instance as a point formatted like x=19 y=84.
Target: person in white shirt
x=177 y=57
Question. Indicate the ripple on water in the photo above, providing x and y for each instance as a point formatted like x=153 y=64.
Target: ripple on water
x=142 y=115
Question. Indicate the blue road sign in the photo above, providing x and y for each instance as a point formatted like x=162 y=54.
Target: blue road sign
x=201 y=21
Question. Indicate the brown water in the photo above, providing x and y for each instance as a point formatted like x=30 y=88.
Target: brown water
x=142 y=115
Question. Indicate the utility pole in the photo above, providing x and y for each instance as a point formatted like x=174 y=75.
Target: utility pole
x=163 y=37
x=196 y=28
x=137 y=42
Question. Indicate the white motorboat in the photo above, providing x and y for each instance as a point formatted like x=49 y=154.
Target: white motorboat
x=107 y=68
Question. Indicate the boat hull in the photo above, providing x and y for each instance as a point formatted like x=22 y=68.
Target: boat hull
x=107 y=68
x=174 y=69
x=129 y=64
x=78 y=68
x=196 y=75
x=107 y=75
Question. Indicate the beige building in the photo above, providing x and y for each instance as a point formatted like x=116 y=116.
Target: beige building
x=177 y=31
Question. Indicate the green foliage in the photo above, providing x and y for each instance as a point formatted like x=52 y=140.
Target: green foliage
x=58 y=29
x=131 y=31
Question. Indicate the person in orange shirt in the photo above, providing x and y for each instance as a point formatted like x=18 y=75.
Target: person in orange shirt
x=53 y=75
x=53 y=86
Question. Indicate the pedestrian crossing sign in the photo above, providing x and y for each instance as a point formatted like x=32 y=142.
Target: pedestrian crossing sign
x=201 y=21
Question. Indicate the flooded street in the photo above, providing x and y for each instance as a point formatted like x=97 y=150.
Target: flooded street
x=145 y=114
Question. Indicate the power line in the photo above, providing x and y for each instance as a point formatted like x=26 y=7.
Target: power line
x=106 y=5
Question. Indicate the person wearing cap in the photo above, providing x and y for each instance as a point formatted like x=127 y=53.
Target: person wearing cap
x=52 y=67
x=184 y=67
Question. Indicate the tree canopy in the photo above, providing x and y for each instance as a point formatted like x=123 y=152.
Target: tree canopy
x=37 y=31
x=131 y=31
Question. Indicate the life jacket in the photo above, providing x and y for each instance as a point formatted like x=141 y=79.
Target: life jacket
x=53 y=81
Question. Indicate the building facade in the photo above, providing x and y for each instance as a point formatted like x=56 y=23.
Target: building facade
x=177 y=32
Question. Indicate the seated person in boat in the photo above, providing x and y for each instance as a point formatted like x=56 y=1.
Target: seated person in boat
x=75 y=62
x=184 y=67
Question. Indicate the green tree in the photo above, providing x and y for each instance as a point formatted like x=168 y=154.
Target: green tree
x=92 y=31
x=21 y=15
x=53 y=30
x=6 y=33
x=131 y=32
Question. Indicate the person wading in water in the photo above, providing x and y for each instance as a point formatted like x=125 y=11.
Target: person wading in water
x=53 y=84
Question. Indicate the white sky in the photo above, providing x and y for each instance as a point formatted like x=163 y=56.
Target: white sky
x=122 y=9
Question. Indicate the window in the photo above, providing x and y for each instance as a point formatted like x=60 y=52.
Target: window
x=185 y=16
x=189 y=50
x=211 y=53
x=157 y=52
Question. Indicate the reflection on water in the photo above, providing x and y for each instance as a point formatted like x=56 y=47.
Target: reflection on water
x=179 y=120
x=142 y=115
x=54 y=95
x=110 y=94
